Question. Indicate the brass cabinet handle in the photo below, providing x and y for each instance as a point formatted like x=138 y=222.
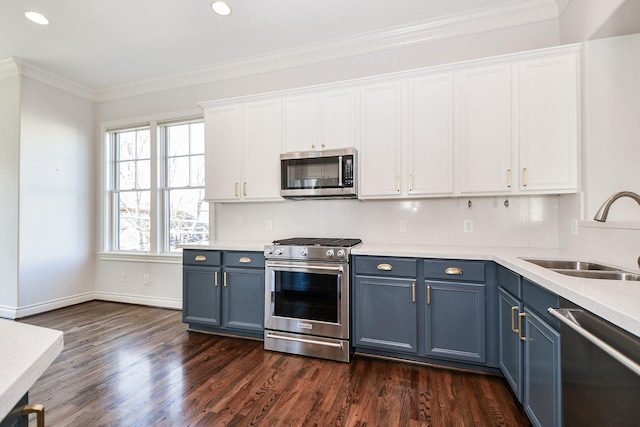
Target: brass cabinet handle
x=428 y=295
x=520 y=328
x=245 y=260
x=514 y=309
x=525 y=177
x=509 y=180
x=35 y=409
x=200 y=258
x=453 y=271
x=224 y=280
x=244 y=189
x=413 y=292
x=384 y=267
x=235 y=189
x=215 y=279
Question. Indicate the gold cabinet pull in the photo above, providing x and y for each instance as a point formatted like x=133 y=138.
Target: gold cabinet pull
x=201 y=258
x=384 y=267
x=215 y=279
x=509 y=180
x=245 y=260
x=235 y=189
x=224 y=280
x=453 y=271
x=520 y=328
x=428 y=295
x=525 y=177
x=514 y=310
x=413 y=292
x=35 y=409
x=244 y=189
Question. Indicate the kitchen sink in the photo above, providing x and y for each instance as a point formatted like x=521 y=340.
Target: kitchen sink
x=587 y=270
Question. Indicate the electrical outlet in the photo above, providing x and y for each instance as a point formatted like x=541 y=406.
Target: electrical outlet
x=269 y=225
x=403 y=226
x=123 y=277
x=239 y=220
x=574 y=227
x=468 y=226
x=147 y=281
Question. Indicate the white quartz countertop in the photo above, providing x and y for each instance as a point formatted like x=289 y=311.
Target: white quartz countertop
x=614 y=300
x=26 y=352
x=228 y=245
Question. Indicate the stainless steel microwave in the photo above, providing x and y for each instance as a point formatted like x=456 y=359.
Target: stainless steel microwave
x=328 y=174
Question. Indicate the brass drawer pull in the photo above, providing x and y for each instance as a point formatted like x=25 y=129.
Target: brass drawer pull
x=224 y=280
x=453 y=270
x=384 y=267
x=215 y=279
x=35 y=409
x=428 y=295
x=201 y=258
x=520 y=328
x=514 y=309
x=413 y=292
x=245 y=260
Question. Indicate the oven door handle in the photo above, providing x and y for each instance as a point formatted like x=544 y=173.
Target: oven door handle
x=315 y=267
x=304 y=340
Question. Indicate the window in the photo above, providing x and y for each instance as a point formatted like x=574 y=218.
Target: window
x=157 y=187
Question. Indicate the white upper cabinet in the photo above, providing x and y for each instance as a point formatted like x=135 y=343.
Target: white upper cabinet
x=320 y=121
x=484 y=130
x=548 y=124
x=243 y=145
x=381 y=140
x=429 y=154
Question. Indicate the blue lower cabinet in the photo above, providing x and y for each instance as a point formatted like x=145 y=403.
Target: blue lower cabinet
x=201 y=295
x=510 y=346
x=386 y=316
x=243 y=299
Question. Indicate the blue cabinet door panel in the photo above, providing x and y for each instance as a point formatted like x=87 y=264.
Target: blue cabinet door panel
x=510 y=353
x=201 y=295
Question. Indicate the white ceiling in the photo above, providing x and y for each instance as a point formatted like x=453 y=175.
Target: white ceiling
x=102 y=44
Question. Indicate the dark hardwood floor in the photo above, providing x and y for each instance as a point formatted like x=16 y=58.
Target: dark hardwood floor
x=127 y=365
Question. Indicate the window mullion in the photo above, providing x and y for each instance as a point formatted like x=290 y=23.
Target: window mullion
x=156 y=216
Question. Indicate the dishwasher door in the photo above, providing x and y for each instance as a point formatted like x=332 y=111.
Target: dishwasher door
x=600 y=370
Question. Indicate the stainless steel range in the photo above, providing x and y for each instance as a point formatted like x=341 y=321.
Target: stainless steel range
x=307 y=297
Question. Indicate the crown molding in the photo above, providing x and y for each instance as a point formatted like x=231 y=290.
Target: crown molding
x=9 y=68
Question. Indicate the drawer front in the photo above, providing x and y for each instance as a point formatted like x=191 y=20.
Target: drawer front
x=539 y=300
x=201 y=257
x=244 y=259
x=510 y=281
x=386 y=266
x=470 y=271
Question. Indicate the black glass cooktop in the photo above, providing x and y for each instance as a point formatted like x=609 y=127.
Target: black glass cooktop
x=322 y=241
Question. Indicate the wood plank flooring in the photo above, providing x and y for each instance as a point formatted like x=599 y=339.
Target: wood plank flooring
x=127 y=365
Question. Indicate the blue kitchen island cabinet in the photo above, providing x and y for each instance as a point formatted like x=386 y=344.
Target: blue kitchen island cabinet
x=386 y=314
x=529 y=342
x=223 y=292
x=455 y=310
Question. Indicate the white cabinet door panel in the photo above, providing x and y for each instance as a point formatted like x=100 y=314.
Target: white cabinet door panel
x=223 y=153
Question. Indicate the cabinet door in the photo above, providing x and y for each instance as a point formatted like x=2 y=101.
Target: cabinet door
x=510 y=346
x=548 y=110
x=243 y=299
x=300 y=123
x=338 y=119
x=484 y=130
x=223 y=153
x=455 y=321
x=381 y=140
x=386 y=314
x=542 y=382
x=430 y=136
x=262 y=147
x=201 y=295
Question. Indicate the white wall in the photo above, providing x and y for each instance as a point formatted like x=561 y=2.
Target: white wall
x=9 y=154
x=57 y=198
x=583 y=18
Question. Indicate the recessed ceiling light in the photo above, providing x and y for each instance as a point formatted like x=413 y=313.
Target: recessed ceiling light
x=36 y=17
x=221 y=8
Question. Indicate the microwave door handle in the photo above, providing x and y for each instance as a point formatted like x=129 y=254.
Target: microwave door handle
x=340 y=166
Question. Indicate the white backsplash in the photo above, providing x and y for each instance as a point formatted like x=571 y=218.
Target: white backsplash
x=527 y=222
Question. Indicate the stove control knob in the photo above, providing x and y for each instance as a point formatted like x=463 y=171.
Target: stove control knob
x=329 y=253
x=340 y=253
x=278 y=251
x=268 y=251
x=303 y=252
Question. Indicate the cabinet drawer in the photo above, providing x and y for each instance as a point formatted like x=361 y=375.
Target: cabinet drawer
x=510 y=281
x=244 y=259
x=454 y=270
x=386 y=266
x=201 y=257
x=539 y=300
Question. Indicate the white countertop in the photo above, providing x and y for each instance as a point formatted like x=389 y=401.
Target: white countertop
x=614 y=300
x=26 y=352
x=228 y=245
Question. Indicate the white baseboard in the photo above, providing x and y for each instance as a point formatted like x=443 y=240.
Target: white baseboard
x=42 y=307
x=8 y=312
x=139 y=299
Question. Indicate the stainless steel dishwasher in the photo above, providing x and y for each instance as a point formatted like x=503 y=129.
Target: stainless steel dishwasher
x=600 y=370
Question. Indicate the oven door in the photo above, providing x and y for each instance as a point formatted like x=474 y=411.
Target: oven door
x=307 y=298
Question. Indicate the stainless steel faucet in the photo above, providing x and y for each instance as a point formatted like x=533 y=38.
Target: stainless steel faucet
x=603 y=212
